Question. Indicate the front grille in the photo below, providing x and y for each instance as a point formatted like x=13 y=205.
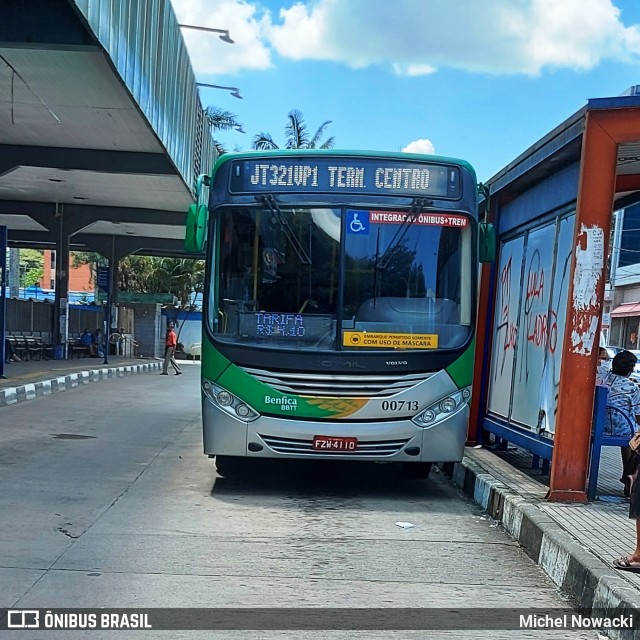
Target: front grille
x=305 y=447
x=334 y=385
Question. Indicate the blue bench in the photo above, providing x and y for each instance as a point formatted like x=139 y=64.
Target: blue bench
x=602 y=416
x=76 y=348
x=601 y=422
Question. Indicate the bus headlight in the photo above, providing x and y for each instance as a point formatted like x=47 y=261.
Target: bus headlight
x=441 y=410
x=429 y=416
x=447 y=405
x=243 y=411
x=228 y=402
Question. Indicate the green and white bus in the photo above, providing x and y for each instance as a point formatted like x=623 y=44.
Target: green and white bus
x=339 y=306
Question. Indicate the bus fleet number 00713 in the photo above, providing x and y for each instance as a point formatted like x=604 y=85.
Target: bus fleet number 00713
x=400 y=405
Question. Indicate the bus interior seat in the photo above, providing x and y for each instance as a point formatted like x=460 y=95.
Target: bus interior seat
x=409 y=310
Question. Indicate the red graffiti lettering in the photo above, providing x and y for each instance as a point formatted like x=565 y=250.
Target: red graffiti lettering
x=543 y=332
x=510 y=330
x=535 y=285
x=539 y=334
x=553 y=332
x=510 y=337
x=505 y=281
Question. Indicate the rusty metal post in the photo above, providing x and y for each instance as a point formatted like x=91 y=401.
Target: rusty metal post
x=482 y=360
x=586 y=292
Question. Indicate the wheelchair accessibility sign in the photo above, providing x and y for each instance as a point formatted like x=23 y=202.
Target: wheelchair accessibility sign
x=358 y=222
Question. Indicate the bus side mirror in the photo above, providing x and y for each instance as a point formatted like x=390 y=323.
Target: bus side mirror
x=203 y=179
x=486 y=242
x=196 y=230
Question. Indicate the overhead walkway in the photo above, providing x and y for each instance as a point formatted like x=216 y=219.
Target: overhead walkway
x=102 y=133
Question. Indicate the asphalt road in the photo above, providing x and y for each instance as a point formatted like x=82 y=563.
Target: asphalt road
x=107 y=501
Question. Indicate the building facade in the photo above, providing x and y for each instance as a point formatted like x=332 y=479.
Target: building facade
x=80 y=277
x=624 y=282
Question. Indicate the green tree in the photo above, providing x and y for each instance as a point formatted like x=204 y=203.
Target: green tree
x=221 y=120
x=182 y=277
x=133 y=271
x=31 y=267
x=136 y=272
x=297 y=135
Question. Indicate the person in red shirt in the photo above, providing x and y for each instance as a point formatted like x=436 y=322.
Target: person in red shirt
x=170 y=344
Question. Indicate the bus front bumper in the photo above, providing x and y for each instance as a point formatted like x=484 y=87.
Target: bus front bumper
x=396 y=441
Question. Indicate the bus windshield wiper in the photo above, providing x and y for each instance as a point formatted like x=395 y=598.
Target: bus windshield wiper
x=271 y=204
x=417 y=206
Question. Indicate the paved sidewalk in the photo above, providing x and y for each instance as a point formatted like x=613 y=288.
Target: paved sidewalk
x=34 y=378
x=575 y=544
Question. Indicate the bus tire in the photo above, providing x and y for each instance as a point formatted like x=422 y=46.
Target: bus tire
x=417 y=470
x=229 y=466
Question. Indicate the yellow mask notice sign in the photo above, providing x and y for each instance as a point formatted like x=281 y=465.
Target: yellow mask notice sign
x=371 y=339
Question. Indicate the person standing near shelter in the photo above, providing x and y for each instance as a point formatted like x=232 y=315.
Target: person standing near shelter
x=624 y=396
x=170 y=344
x=88 y=341
x=632 y=561
x=99 y=342
x=604 y=365
x=121 y=342
x=114 y=341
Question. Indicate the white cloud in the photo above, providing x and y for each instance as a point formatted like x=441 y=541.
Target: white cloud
x=494 y=36
x=413 y=69
x=209 y=55
x=422 y=145
x=412 y=37
x=304 y=33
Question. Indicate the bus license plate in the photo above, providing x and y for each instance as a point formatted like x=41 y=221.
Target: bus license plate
x=331 y=443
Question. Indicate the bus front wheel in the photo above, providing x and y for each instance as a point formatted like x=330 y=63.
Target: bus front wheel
x=417 y=470
x=229 y=466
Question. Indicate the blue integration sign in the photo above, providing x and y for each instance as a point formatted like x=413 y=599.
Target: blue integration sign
x=102 y=277
x=345 y=175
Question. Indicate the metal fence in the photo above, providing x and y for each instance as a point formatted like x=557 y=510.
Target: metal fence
x=36 y=317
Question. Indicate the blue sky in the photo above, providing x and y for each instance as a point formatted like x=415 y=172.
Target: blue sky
x=480 y=80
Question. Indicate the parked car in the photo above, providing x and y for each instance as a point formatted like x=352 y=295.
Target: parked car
x=612 y=351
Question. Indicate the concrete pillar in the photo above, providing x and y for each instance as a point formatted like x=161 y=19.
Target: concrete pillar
x=61 y=301
x=14 y=273
x=3 y=298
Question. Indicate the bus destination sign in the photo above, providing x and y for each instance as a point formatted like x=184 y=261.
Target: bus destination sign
x=345 y=175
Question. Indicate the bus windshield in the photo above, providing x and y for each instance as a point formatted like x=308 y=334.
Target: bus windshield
x=341 y=278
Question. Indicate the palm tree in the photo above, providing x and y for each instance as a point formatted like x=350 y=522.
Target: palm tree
x=297 y=135
x=182 y=277
x=221 y=120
